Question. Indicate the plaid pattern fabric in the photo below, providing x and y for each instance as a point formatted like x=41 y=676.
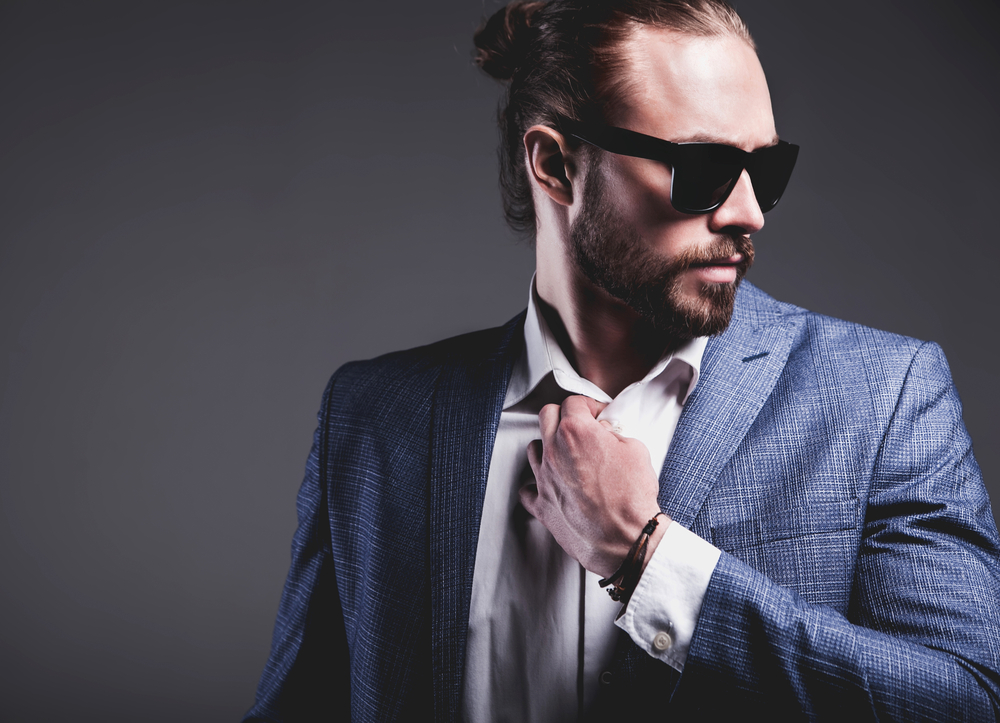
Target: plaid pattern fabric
x=861 y=566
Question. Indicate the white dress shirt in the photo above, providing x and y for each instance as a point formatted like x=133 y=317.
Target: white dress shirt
x=541 y=630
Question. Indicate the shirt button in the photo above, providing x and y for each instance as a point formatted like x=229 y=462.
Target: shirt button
x=662 y=641
x=606 y=677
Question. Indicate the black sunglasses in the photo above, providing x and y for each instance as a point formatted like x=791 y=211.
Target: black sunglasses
x=703 y=174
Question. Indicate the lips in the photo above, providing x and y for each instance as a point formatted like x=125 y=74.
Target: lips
x=725 y=259
x=733 y=260
x=719 y=270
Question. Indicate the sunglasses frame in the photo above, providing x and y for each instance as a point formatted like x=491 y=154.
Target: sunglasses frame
x=624 y=142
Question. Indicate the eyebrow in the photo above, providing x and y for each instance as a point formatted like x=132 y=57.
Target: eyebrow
x=707 y=138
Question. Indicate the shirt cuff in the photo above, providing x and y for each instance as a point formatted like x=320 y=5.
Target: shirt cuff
x=662 y=612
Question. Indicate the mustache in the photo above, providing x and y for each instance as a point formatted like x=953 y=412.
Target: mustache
x=721 y=247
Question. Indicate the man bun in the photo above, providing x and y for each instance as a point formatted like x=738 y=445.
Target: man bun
x=503 y=42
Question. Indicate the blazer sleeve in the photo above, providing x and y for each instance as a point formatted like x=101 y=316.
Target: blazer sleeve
x=921 y=639
x=307 y=673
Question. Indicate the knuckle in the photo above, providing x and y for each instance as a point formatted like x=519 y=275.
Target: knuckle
x=573 y=426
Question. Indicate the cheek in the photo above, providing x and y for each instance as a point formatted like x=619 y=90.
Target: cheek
x=641 y=194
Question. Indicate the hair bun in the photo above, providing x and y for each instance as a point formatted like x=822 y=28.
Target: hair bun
x=503 y=41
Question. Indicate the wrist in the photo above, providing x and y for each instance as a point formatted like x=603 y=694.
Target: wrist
x=624 y=580
x=654 y=539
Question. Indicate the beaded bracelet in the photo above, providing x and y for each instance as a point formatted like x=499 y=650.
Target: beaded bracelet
x=626 y=577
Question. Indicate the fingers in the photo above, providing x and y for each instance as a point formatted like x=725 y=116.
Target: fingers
x=548 y=420
x=577 y=408
x=578 y=404
x=577 y=412
x=584 y=410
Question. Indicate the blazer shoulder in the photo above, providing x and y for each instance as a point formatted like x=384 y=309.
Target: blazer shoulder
x=411 y=374
x=827 y=332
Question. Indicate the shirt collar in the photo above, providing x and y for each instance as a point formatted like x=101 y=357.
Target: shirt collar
x=543 y=356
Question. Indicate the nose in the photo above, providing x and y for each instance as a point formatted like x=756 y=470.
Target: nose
x=740 y=210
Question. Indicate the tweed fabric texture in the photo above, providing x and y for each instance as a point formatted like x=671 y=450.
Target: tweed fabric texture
x=861 y=568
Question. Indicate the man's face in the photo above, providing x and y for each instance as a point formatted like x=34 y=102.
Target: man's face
x=678 y=271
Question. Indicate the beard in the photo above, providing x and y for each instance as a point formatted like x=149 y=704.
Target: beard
x=611 y=254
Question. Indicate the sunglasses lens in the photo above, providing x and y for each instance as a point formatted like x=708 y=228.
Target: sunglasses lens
x=705 y=173
x=770 y=169
x=703 y=176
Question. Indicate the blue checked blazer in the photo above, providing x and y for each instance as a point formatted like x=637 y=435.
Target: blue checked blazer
x=859 y=576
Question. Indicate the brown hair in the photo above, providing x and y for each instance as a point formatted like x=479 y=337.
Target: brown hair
x=560 y=58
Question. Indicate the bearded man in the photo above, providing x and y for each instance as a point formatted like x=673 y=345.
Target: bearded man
x=785 y=507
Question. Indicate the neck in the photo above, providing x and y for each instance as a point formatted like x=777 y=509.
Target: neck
x=604 y=340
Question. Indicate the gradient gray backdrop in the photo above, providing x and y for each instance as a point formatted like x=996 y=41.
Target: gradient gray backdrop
x=205 y=208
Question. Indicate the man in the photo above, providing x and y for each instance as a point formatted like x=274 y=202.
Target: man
x=785 y=506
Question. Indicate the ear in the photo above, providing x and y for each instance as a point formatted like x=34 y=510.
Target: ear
x=550 y=163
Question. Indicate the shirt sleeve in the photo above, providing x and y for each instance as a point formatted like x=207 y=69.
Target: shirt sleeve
x=662 y=612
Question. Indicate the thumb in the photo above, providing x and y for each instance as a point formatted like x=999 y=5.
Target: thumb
x=535 y=456
x=529 y=498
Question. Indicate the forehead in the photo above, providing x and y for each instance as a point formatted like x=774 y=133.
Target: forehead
x=690 y=88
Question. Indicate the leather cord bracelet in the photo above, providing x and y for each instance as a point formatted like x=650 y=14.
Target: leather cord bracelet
x=626 y=577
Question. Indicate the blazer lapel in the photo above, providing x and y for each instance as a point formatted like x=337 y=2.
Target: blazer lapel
x=467 y=405
x=738 y=372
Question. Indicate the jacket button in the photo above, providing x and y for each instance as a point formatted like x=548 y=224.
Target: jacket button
x=662 y=641
x=606 y=677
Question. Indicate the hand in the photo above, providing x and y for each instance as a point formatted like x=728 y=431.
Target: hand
x=594 y=489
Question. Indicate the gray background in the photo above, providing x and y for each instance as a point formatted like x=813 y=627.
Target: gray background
x=205 y=208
